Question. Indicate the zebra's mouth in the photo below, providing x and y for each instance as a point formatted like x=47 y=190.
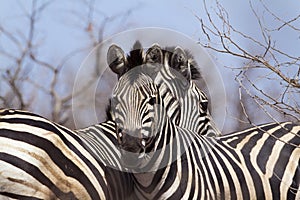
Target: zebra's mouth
x=131 y=160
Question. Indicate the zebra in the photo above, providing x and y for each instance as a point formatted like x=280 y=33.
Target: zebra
x=56 y=162
x=40 y=159
x=172 y=162
x=179 y=72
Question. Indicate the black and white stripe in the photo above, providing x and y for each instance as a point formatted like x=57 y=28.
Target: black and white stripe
x=173 y=162
x=43 y=160
x=174 y=70
x=56 y=162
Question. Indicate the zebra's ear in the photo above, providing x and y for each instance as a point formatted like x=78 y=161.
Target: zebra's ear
x=116 y=59
x=179 y=61
x=154 y=55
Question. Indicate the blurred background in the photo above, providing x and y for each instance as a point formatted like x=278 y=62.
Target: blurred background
x=254 y=45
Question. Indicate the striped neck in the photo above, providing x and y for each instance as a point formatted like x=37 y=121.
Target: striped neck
x=171 y=144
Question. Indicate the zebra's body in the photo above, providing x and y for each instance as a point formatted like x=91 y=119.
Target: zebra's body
x=43 y=160
x=172 y=162
x=227 y=167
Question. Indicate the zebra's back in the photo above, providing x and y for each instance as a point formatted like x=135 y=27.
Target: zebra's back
x=257 y=163
x=268 y=157
x=42 y=160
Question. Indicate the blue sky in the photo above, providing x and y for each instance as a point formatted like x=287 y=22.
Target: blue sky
x=61 y=25
x=57 y=23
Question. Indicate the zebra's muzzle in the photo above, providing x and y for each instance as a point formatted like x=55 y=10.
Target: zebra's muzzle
x=131 y=160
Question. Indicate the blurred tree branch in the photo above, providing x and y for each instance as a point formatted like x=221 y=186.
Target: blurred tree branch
x=20 y=87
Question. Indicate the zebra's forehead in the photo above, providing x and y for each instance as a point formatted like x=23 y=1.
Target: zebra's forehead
x=145 y=79
x=145 y=73
x=134 y=83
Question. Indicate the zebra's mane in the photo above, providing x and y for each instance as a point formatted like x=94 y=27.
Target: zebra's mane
x=108 y=113
x=136 y=57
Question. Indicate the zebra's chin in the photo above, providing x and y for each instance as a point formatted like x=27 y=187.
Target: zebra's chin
x=132 y=161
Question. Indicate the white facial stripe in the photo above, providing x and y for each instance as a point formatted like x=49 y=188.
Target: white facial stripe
x=166 y=60
x=145 y=133
x=120 y=134
x=141 y=155
x=143 y=142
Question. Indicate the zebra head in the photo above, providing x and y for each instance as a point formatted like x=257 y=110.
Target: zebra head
x=144 y=80
x=135 y=109
x=190 y=108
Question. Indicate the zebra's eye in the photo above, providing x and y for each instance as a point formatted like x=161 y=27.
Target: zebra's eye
x=204 y=105
x=152 y=101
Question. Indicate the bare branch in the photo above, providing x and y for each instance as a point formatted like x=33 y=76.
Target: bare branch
x=284 y=23
x=238 y=50
x=280 y=68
